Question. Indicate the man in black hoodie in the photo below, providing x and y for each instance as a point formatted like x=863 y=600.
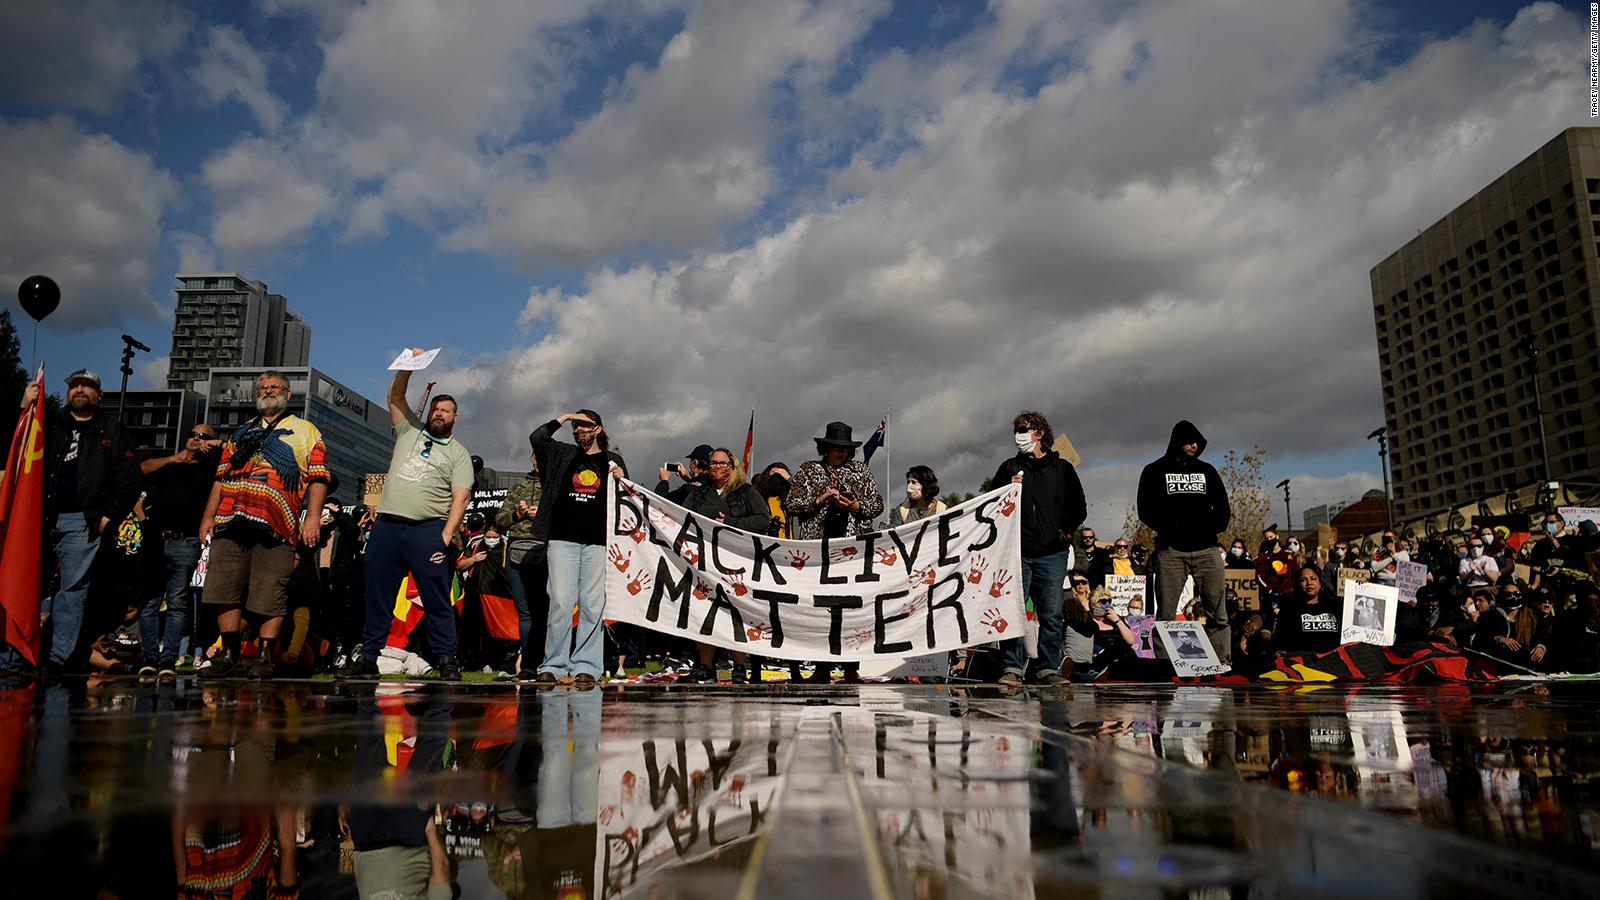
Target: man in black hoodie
x=1052 y=508
x=1182 y=499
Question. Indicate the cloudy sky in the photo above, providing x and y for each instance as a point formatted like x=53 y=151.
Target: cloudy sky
x=1120 y=213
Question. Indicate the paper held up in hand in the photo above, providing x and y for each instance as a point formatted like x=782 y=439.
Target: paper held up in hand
x=405 y=362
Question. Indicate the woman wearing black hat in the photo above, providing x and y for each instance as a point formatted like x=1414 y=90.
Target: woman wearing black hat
x=834 y=496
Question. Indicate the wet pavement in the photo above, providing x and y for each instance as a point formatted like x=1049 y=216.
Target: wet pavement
x=117 y=788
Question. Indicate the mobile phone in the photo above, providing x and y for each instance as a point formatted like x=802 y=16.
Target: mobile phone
x=1102 y=609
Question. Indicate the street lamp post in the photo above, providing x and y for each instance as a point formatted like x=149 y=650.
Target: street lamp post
x=129 y=345
x=1382 y=434
x=1288 y=521
x=1530 y=350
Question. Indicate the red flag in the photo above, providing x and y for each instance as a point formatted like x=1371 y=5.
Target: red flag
x=21 y=522
x=749 y=441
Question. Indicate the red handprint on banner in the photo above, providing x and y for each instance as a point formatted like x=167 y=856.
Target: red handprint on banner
x=606 y=814
x=630 y=787
x=998 y=588
x=758 y=632
x=1007 y=507
x=798 y=559
x=736 y=582
x=861 y=638
x=627 y=523
x=701 y=589
x=843 y=553
x=618 y=558
x=639 y=582
x=975 y=573
x=913 y=606
x=637 y=534
x=736 y=791
x=886 y=556
x=923 y=576
x=689 y=553
x=993 y=621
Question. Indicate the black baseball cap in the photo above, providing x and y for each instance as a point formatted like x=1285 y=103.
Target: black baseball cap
x=700 y=454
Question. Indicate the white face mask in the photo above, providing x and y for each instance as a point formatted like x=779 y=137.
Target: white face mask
x=1025 y=442
x=1294 y=546
x=491 y=542
x=1477 y=551
x=1236 y=552
x=913 y=490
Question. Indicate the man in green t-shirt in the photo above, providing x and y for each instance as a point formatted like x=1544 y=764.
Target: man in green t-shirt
x=424 y=498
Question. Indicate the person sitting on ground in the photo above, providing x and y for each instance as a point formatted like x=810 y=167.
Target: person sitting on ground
x=1309 y=621
x=1508 y=630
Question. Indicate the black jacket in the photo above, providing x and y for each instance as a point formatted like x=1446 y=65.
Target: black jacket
x=108 y=471
x=1182 y=498
x=1052 y=501
x=744 y=507
x=554 y=457
x=681 y=493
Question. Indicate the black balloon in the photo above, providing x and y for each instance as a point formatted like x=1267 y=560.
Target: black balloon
x=39 y=296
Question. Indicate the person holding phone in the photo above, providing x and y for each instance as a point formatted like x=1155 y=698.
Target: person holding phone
x=695 y=476
x=833 y=496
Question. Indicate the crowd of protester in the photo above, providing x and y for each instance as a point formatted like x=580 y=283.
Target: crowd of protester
x=290 y=582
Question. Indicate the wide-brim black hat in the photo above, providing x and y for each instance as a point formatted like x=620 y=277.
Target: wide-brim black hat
x=837 y=434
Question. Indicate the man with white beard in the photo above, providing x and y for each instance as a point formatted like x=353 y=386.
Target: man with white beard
x=271 y=481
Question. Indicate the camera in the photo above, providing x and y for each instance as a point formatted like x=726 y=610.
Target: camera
x=1102 y=609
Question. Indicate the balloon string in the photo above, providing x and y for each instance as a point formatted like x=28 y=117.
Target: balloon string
x=35 y=350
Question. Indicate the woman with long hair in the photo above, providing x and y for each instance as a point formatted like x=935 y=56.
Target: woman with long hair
x=571 y=518
x=728 y=499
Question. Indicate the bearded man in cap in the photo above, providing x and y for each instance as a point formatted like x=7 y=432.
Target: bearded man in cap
x=91 y=482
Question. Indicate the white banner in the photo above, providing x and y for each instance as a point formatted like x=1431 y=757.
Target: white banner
x=1575 y=515
x=1369 y=611
x=937 y=584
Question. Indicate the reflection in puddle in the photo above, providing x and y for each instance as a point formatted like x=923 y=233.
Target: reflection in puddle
x=118 y=789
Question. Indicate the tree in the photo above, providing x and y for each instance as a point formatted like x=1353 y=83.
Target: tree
x=1247 y=495
x=1135 y=531
x=13 y=377
x=952 y=498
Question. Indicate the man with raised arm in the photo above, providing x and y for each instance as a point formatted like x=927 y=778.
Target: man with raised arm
x=424 y=499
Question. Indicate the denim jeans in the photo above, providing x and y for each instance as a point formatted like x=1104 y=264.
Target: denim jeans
x=1042 y=579
x=569 y=767
x=1171 y=569
x=163 y=643
x=75 y=549
x=577 y=577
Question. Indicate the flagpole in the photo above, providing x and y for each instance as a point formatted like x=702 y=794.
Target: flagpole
x=888 y=459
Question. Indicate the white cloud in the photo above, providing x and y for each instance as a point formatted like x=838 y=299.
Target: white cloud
x=1178 y=224
x=84 y=54
x=85 y=210
x=195 y=254
x=229 y=68
x=262 y=198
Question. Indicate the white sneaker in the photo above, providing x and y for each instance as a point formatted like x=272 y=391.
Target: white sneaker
x=203 y=664
x=341 y=662
x=488 y=670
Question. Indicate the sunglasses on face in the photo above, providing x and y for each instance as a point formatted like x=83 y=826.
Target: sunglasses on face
x=201 y=436
x=427 y=447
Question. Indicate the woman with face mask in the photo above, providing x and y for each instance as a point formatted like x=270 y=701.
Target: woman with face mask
x=922 y=497
x=1238 y=557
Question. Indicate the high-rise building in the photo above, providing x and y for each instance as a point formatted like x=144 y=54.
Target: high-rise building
x=356 y=431
x=157 y=420
x=1518 y=260
x=227 y=320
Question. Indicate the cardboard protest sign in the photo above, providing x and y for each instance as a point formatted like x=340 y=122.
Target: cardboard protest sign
x=1124 y=590
x=1359 y=576
x=1243 y=582
x=1576 y=515
x=198 y=579
x=1521 y=573
x=1189 y=650
x=1409 y=577
x=1369 y=611
x=487 y=500
x=937 y=584
x=1143 y=628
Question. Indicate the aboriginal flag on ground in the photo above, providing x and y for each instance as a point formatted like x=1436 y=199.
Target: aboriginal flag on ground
x=1416 y=662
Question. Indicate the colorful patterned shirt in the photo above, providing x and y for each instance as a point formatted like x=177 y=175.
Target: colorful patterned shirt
x=267 y=487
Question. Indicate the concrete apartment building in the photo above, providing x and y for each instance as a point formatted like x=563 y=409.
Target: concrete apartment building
x=224 y=319
x=1517 y=260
